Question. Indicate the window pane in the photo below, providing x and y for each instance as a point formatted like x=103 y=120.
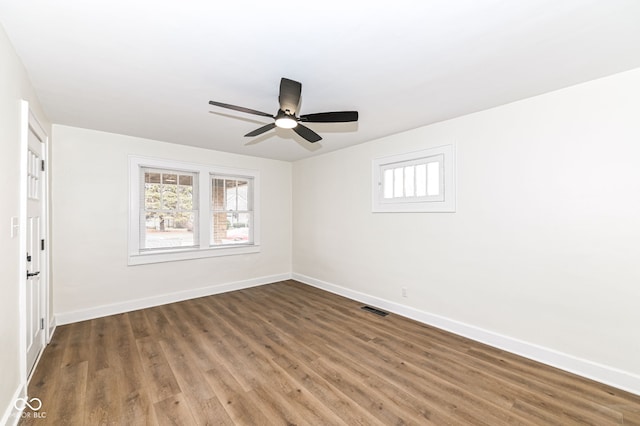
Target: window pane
x=409 y=181
x=185 y=193
x=169 y=194
x=433 y=179
x=185 y=197
x=398 y=182
x=217 y=194
x=421 y=180
x=243 y=195
x=238 y=231
x=166 y=230
x=231 y=228
x=231 y=195
x=168 y=217
x=170 y=179
x=186 y=180
x=152 y=177
x=231 y=215
x=387 y=183
x=152 y=196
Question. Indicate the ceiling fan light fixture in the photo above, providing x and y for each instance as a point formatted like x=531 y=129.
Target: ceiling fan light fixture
x=285 y=118
x=286 y=122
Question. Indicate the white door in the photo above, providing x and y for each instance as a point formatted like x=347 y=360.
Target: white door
x=35 y=293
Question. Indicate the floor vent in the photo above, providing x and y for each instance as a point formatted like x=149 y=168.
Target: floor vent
x=375 y=311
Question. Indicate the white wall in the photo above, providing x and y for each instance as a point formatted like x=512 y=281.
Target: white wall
x=90 y=218
x=14 y=86
x=544 y=248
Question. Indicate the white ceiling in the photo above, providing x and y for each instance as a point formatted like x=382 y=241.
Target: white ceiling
x=148 y=68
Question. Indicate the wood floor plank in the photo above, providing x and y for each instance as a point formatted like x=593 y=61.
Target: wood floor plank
x=174 y=411
x=231 y=395
x=200 y=397
x=275 y=409
x=134 y=399
x=102 y=401
x=77 y=349
x=98 y=344
x=139 y=324
x=159 y=325
x=137 y=409
x=350 y=412
x=161 y=382
x=42 y=383
x=290 y=354
x=68 y=403
x=124 y=356
x=382 y=400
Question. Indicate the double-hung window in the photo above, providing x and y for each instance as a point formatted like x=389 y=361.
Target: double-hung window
x=184 y=211
x=232 y=210
x=168 y=209
x=422 y=181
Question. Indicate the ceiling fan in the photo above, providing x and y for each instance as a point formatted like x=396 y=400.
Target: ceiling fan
x=286 y=118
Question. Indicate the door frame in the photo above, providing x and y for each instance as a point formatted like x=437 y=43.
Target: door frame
x=28 y=121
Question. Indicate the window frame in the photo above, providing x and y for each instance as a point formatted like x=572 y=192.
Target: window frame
x=442 y=203
x=250 y=206
x=138 y=256
x=142 y=211
x=393 y=166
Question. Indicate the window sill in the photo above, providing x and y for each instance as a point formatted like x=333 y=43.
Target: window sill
x=415 y=207
x=187 y=254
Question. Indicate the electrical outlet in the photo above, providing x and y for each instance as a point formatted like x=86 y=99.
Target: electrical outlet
x=404 y=292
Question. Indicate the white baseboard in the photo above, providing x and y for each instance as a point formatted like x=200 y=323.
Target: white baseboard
x=582 y=367
x=133 y=305
x=11 y=415
x=52 y=329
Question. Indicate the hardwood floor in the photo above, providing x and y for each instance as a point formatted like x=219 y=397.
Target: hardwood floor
x=290 y=354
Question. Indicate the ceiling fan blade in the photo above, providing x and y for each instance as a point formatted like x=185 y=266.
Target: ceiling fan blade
x=289 y=98
x=307 y=133
x=241 y=109
x=261 y=130
x=330 y=117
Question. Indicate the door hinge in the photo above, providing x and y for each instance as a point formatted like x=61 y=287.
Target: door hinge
x=42 y=165
x=41 y=323
x=41 y=244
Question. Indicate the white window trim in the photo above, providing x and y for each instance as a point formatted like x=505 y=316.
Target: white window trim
x=445 y=205
x=138 y=257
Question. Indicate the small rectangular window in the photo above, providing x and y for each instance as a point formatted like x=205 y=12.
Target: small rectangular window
x=420 y=181
x=414 y=180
